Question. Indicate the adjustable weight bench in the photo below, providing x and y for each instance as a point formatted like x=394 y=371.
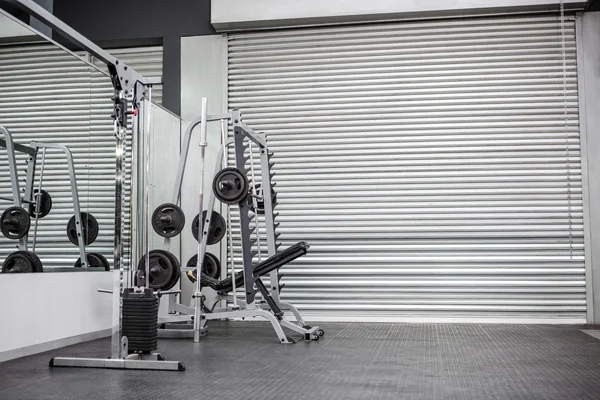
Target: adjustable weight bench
x=274 y=262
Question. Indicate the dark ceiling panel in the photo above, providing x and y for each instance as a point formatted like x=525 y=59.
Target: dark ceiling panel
x=119 y=21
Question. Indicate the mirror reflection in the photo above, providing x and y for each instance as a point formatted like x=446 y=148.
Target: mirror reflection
x=56 y=139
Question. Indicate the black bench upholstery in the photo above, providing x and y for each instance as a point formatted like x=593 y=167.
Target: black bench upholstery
x=278 y=260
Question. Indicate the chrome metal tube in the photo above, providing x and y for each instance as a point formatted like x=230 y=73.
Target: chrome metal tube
x=224 y=163
x=198 y=292
x=37 y=202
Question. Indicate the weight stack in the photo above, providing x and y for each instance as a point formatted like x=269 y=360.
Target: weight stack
x=140 y=320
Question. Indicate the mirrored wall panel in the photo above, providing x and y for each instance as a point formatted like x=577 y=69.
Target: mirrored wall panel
x=55 y=106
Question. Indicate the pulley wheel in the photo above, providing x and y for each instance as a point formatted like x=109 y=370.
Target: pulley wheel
x=260 y=204
x=210 y=267
x=217 y=230
x=15 y=222
x=95 y=260
x=89 y=230
x=162 y=270
x=230 y=185
x=45 y=204
x=22 y=262
x=168 y=220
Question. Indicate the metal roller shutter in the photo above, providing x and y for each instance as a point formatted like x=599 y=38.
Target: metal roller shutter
x=48 y=95
x=433 y=166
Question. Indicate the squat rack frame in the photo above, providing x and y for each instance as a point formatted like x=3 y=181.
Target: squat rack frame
x=28 y=194
x=271 y=306
x=126 y=83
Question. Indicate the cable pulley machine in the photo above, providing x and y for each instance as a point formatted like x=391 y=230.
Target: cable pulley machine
x=133 y=340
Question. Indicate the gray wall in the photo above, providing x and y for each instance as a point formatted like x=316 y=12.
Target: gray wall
x=589 y=88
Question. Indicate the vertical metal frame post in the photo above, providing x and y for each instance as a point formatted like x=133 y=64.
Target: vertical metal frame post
x=119 y=131
x=267 y=185
x=201 y=235
x=14 y=176
x=245 y=230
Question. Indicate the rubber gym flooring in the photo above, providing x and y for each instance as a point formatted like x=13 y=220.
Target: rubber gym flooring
x=243 y=360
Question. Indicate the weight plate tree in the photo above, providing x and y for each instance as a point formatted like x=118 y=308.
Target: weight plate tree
x=89 y=230
x=230 y=185
x=168 y=220
x=95 y=260
x=217 y=230
x=164 y=269
x=22 y=262
x=15 y=222
x=45 y=204
x=210 y=267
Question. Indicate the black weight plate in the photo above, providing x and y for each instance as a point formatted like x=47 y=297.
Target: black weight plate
x=196 y=226
x=176 y=274
x=138 y=342
x=230 y=185
x=139 y=303
x=139 y=313
x=168 y=220
x=15 y=222
x=37 y=263
x=45 y=204
x=19 y=262
x=210 y=267
x=217 y=230
x=95 y=260
x=89 y=230
x=161 y=269
x=98 y=260
x=140 y=321
x=142 y=333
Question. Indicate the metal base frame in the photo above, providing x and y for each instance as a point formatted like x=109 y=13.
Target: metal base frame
x=181 y=327
x=154 y=361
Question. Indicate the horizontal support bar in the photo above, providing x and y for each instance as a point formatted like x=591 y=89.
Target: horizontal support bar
x=109 y=363
x=19 y=147
x=218 y=117
x=22 y=200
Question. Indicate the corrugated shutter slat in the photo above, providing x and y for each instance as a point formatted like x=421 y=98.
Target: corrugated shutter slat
x=428 y=164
